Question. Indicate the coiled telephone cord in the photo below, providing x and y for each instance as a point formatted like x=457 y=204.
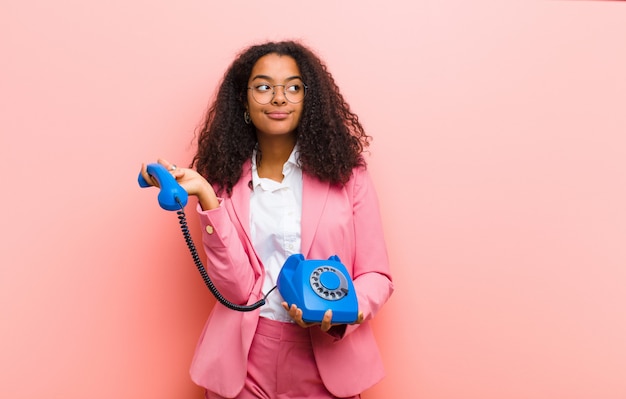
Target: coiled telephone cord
x=182 y=219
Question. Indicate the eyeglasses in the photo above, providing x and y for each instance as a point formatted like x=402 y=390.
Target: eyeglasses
x=294 y=92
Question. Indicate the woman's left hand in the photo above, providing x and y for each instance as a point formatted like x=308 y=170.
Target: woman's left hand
x=326 y=323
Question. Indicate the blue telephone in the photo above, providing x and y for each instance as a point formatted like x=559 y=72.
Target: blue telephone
x=318 y=285
x=314 y=286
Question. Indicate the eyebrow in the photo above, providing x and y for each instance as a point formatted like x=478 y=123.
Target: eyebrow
x=270 y=78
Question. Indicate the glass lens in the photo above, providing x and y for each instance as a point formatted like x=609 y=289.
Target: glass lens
x=295 y=91
x=262 y=93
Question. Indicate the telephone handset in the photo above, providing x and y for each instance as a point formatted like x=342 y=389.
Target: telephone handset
x=312 y=285
x=172 y=196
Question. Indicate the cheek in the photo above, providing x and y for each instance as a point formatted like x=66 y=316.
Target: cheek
x=300 y=112
x=253 y=109
x=298 y=117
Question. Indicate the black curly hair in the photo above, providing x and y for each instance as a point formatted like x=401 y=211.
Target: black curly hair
x=330 y=137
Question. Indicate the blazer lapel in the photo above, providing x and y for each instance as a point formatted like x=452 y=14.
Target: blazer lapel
x=314 y=196
x=241 y=199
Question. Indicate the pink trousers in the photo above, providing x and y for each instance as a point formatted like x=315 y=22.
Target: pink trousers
x=281 y=365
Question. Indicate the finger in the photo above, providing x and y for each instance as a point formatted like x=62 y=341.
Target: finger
x=146 y=176
x=295 y=313
x=168 y=165
x=327 y=320
x=298 y=318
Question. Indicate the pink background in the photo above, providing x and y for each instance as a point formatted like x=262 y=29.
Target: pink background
x=499 y=156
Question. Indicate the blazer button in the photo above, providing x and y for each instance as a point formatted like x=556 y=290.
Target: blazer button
x=209 y=229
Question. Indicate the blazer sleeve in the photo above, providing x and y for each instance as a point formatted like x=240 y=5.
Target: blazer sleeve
x=228 y=262
x=371 y=271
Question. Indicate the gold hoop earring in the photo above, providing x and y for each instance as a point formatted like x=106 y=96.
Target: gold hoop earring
x=246 y=117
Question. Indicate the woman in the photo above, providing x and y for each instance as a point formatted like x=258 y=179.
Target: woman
x=279 y=170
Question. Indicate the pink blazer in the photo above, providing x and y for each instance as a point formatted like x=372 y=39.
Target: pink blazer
x=343 y=221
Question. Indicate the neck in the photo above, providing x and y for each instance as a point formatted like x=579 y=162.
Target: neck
x=273 y=154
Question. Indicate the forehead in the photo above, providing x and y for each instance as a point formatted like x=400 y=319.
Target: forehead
x=275 y=67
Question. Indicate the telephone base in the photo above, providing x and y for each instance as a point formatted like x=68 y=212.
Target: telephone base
x=315 y=286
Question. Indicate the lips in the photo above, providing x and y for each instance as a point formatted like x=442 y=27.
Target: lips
x=277 y=115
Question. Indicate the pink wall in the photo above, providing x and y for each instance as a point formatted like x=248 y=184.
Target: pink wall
x=499 y=155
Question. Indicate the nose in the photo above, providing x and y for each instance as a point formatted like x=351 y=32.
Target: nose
x=279 y=95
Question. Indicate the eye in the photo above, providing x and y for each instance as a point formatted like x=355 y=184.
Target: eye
x=262 y=88
x=294 y=87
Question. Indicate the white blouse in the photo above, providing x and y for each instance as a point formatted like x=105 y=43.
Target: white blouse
x=275 y=216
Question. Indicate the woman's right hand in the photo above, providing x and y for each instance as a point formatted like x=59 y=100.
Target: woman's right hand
x=190 y=180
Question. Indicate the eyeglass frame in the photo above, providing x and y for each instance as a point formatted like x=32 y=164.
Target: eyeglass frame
x=306 y=88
